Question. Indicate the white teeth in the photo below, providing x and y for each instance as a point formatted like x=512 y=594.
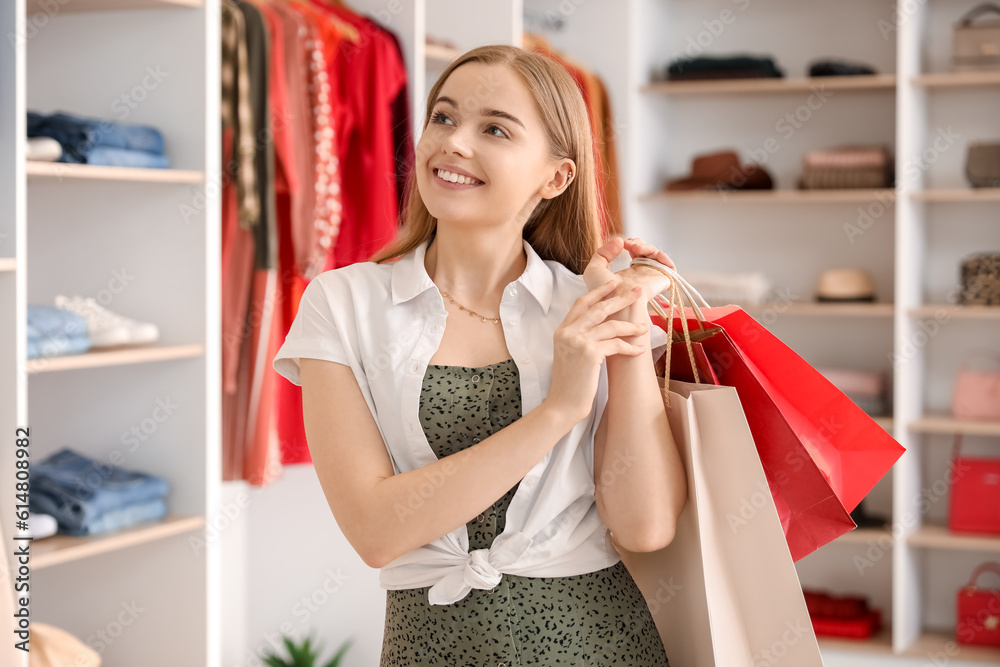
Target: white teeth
x=455 y=178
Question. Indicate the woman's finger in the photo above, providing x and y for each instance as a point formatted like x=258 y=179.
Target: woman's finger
x=600 y=311
x=606 y=348
x=586 y=301
x=639 y=248
x=616 y=328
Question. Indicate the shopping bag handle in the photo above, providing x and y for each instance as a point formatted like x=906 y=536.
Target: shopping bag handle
x=694 y=297
x=680 y=291
x=988 y=566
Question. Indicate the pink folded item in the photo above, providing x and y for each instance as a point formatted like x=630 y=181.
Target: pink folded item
x=863 y=383
x=847 y=158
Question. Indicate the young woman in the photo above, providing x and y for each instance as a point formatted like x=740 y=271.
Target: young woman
x=483 y=413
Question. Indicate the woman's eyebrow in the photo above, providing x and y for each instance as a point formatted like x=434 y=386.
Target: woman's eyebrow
x=486 y=111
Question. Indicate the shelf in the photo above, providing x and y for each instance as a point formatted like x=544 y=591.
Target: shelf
x=942 y=643
x=864 y=536
x=940 y=537
x=957 y=79
x=878 y=644
x=59 y=549
x=816 y=309
x=853 y=196
x=884 y=422
x=8 y=263
x=440 y=55
x=958 y=195
x=946 y=424
x=771 y=85
x=114 y=357
x=61 y=170
x=107 y=5
x=957 y=312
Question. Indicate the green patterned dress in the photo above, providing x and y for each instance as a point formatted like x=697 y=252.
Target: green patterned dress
x=596 y=619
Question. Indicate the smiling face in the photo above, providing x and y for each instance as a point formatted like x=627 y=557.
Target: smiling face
x=484 y=124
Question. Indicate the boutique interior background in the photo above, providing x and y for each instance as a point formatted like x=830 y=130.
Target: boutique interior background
x=288 y=568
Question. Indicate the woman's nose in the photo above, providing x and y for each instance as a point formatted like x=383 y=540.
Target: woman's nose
x=457 y=141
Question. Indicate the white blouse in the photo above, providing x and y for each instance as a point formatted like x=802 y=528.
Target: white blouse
x=386 y=321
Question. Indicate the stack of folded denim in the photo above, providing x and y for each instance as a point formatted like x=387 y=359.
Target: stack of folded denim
x=54 y=331
x=88 y=497
x=100 y=142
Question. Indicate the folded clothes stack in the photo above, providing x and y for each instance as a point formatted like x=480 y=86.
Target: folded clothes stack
x=866 y=388
x=95 y=141
x=77 y=324
x=88 y=497
x=841 y=616
x=720 y=289
x=847 y=167
x=735 y=66
x=54 y=331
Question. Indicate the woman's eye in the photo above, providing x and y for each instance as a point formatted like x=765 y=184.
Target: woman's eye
x=495 y=130
x=499 y=129
x=437 y=117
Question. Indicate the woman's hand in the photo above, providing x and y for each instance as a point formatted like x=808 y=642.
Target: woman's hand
x=651 y=281
x=588 y=335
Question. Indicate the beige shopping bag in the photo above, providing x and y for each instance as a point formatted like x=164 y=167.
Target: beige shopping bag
x=724 y=591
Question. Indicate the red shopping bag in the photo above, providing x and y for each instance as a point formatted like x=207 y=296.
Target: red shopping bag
x=821 y=453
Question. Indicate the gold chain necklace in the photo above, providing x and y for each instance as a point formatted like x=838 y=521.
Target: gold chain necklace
x=472 y=313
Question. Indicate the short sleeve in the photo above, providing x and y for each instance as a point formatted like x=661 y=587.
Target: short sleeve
x=314 y=334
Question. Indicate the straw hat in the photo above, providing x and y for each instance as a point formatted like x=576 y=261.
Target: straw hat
x=845 y=285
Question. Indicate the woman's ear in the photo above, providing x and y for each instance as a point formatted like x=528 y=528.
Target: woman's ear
x=560 y=181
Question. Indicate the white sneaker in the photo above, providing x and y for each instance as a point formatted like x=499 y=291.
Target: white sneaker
x=42 y=525
x=108 y=329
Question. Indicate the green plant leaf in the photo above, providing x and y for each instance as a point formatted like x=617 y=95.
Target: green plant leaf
x=335 y=660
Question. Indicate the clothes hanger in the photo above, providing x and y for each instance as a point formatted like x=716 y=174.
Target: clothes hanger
x=348 y=31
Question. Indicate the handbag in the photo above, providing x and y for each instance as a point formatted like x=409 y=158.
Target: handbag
x=978 y=610
x=976 y=395
x=974 y=506
x=821 y=453
x=981 y=280
x=982 y=164
x=976 y=46
x=721 y=596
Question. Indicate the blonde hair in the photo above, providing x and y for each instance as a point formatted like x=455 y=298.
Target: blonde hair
x=565 y=228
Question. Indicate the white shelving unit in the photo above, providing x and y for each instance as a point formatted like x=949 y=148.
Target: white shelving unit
x=67 y=227
x=795 y=235
x=145 y=243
